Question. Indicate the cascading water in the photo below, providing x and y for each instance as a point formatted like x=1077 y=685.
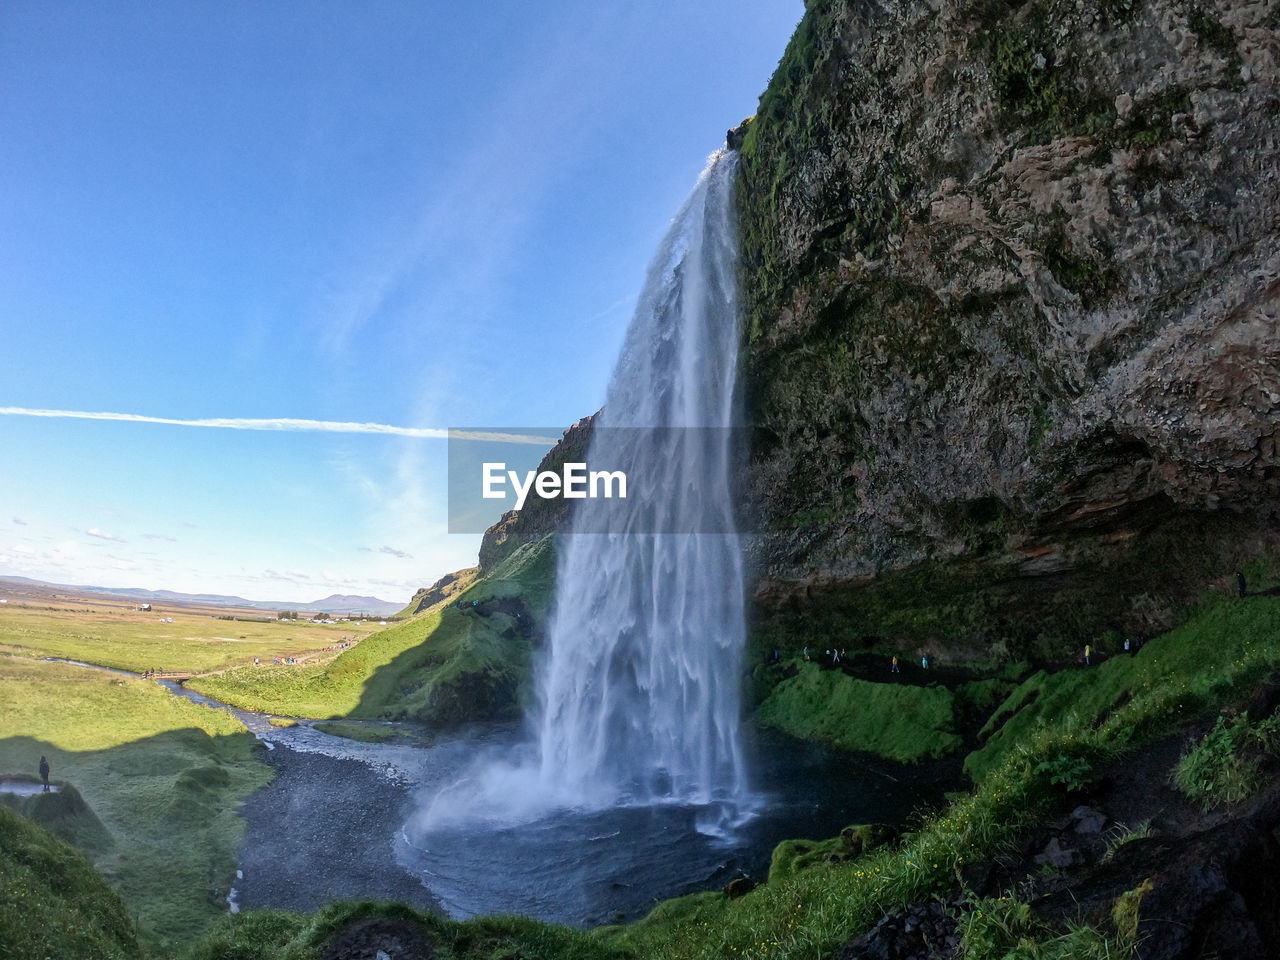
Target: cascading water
x=635 y=764
x=640 y=688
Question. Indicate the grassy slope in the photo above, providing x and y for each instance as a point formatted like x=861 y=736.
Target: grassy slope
x=53 y=903
x=1223 y=652
x=137 y=641
x=902 y=722
x=162 y=774
x=1226 y=648
x=444 y=665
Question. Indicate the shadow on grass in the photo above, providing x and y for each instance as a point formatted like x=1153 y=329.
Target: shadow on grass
x=158 y=816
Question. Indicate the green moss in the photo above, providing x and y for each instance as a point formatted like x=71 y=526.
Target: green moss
x=1086 y=276
x=1035 y=78
x=1213 y=32
x=277 y=935
x=898 y=721
x=790 y=857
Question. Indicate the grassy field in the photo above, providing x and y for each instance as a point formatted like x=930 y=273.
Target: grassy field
x=163 y=775
x=115 y=636
x=448 y=664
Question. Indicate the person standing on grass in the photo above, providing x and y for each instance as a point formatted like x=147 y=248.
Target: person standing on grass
x=1088 y=651
x=893 y=668
x=44 y=772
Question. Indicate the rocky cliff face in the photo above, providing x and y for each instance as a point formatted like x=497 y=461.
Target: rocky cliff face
x=1013 y=275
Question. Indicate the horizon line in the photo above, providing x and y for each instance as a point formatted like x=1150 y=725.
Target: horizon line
x=285 y=425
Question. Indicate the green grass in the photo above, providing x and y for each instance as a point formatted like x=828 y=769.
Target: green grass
x=133 y=640
x=1053 y=720
x=899 y=721
x=1221 y=651
x=54 y=904
x=445 y=666
x=276 y=935
x=163 y=775
x=1225 y=767
x=64 y=813
x=1004 y=928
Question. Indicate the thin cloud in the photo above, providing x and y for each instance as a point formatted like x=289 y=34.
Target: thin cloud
x=159 y=536
x=103 y=535
x=393 y=552
x=285 y=425
x=19 y=521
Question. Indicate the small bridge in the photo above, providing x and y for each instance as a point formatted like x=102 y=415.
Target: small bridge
x=178 y=676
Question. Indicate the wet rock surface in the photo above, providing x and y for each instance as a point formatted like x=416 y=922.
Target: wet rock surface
x=323 y=831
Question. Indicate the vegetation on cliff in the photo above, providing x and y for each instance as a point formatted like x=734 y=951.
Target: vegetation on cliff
x=465 y=659
x=1011 y=363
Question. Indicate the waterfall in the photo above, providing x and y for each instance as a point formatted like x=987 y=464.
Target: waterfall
x=640 y=686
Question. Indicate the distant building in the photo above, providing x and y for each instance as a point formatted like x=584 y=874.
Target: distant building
x=146 y=607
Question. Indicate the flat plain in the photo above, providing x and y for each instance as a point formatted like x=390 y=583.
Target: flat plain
x=114 y=633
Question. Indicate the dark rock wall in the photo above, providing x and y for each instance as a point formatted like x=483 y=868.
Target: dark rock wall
x=1012 y=275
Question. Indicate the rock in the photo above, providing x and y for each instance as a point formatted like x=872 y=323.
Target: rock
x=995 y=308
x=1056 y=855
x=733 y=139
x=374 y=938
x=1091 y=823
x=921 y=932
x=739 y=887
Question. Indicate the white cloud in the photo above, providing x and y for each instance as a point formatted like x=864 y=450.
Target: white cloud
x=19 y=521
x=280 y=424
x=103 y=535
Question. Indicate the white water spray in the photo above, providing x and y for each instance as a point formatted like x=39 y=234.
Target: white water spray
x=640 y=690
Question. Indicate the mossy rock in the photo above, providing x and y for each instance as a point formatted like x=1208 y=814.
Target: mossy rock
x=791 y=857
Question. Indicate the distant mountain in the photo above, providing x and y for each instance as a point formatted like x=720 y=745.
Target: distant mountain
x=337 y=603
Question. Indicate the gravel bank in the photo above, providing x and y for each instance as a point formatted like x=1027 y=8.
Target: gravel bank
x=323 y=831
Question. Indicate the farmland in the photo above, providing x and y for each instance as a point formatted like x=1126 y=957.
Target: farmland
x=199 y=639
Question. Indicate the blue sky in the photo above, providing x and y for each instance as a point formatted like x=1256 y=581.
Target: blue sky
x=419 y=214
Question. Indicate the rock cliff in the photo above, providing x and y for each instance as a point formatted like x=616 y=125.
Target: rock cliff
x=1012 y=274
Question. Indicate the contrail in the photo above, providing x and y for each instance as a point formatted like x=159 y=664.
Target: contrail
x=287 y=424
